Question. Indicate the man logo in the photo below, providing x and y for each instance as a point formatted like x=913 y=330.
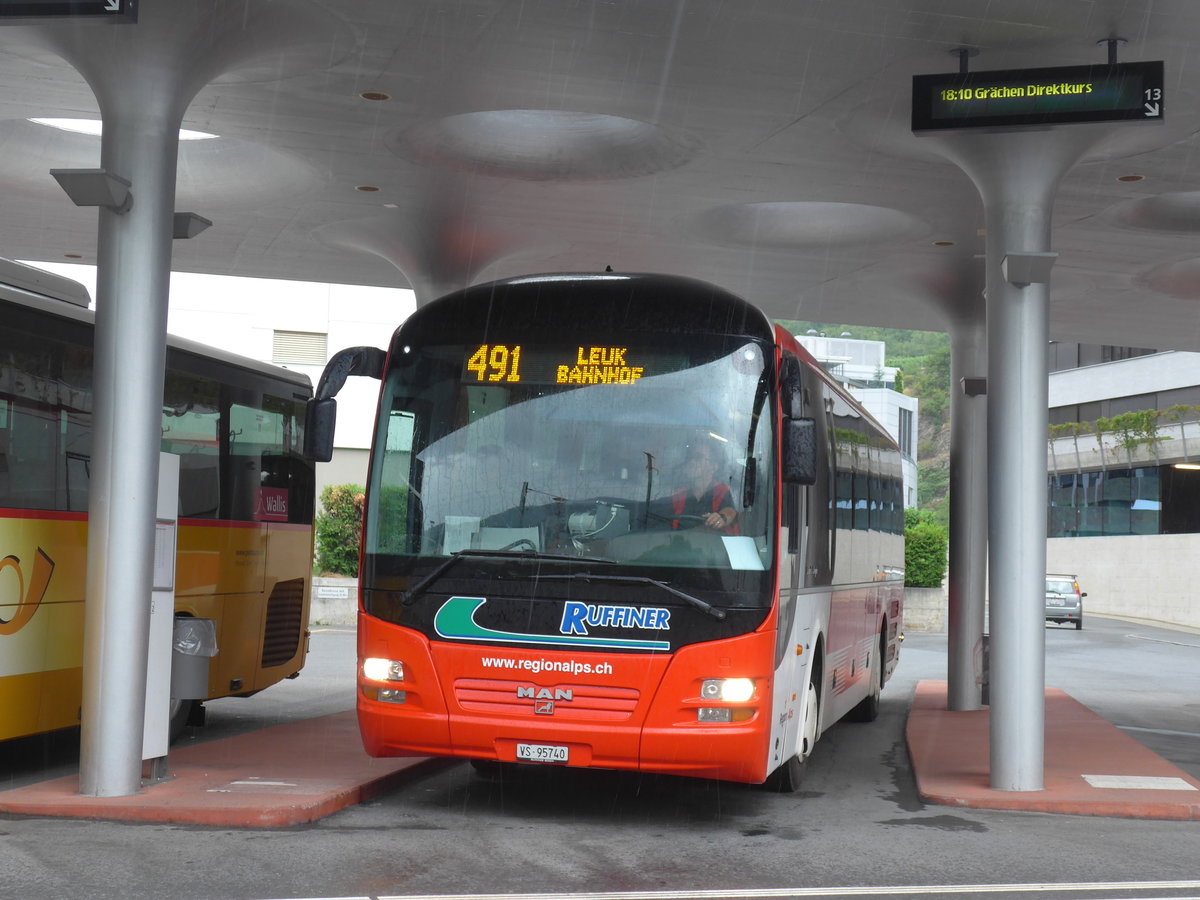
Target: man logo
x=27 y=602
x=533 y=693
x=544 y=707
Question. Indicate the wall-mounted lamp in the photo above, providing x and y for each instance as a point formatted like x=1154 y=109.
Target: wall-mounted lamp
x=1024 y=269
x=188 y=225
x=95 y=187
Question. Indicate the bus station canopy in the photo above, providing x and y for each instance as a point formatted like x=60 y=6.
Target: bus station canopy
x=765 y=146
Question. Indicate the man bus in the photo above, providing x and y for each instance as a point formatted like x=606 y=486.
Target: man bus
x=532 y=589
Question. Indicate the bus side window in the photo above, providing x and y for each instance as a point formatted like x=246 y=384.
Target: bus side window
x=189 y=429
x=32 y=456
x=792 y=400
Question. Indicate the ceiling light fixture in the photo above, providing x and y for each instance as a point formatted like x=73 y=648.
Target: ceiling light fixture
x=1128 y=178
x=95 y=128
x=366 y=188
x=375 y=95
x=943 y=243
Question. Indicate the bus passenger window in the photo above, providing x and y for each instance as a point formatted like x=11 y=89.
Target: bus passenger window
x=32 y=456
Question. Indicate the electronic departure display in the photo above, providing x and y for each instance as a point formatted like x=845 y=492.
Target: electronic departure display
x=1047 y=96
x=518 y=364
x=84 y=10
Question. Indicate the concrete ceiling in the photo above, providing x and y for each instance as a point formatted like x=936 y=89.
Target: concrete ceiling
x=760 y=144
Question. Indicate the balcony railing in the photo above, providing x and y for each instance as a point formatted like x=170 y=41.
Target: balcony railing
x=1145 y=437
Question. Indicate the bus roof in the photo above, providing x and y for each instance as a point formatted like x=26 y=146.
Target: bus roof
x=60 y=296
x=40 y=283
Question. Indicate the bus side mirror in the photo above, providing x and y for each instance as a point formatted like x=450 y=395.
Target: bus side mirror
x=321 y=413
x=320 y=416
x=799 y=451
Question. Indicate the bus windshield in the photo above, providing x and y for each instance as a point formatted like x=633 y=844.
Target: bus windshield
x=656 y=457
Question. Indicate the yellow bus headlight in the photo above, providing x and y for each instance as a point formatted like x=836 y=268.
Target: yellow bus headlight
x=376 y=669
x=731 y=690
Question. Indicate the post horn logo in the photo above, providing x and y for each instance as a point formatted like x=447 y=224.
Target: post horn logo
x=27 y=603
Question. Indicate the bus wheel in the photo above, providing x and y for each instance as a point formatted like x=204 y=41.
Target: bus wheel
x=789 y=776
x=491 y=769
x=181 y=711
x=868 y=708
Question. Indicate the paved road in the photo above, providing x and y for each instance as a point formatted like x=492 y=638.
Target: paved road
x=858 y=826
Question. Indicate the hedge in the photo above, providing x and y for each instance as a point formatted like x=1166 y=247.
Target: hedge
x=925 y=546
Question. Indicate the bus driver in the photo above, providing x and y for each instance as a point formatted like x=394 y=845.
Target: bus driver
x=704 y=498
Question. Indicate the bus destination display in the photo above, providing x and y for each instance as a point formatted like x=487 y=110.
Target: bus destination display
x=1047 y=96
x=515 y=364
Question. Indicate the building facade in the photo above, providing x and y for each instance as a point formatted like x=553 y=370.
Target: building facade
x=1123 y=468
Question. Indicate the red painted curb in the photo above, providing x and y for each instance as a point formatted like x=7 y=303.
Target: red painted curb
x=950 y=751
x=285 y=775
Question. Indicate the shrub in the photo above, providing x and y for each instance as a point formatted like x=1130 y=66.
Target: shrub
x=338 y=528
x=914 y=516
x=925 y=547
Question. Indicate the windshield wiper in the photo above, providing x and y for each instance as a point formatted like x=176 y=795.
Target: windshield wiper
x=409 y=597
x=701 y=605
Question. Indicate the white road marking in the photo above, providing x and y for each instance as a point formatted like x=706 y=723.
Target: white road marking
x=1195 y=734
x=1138 y=782
x=1154 y=640
x=873 y=891
x=271 y=783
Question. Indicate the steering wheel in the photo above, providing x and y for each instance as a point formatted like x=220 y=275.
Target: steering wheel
x=520 y=544
x=682 y=517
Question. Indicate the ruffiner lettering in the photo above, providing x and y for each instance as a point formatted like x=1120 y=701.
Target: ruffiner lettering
x=578 y=616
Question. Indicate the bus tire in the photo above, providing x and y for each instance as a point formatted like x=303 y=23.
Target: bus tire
x=788 y=778
x=868 y=708
x=491 y=769
x=180 y=713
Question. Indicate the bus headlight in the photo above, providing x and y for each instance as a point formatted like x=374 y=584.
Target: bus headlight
x=731 y=690
x=376 y=669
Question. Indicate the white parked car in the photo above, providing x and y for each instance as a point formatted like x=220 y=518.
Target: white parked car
x=1064 y=600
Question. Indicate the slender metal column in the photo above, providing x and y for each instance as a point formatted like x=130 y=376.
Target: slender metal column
x=968 y=510
x=1018 y=324
x=144 y=76
x=1016 y=174
x=133 y=277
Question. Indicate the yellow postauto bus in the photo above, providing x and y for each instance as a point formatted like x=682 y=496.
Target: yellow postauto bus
x=244 y=555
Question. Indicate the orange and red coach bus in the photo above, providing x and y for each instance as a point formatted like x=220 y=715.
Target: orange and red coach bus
x=619 y=521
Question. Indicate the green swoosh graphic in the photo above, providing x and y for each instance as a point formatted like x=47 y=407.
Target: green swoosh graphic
x=456 y=621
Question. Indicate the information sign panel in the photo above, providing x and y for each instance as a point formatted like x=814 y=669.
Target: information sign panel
x=1049 y=96
x=29 y=11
